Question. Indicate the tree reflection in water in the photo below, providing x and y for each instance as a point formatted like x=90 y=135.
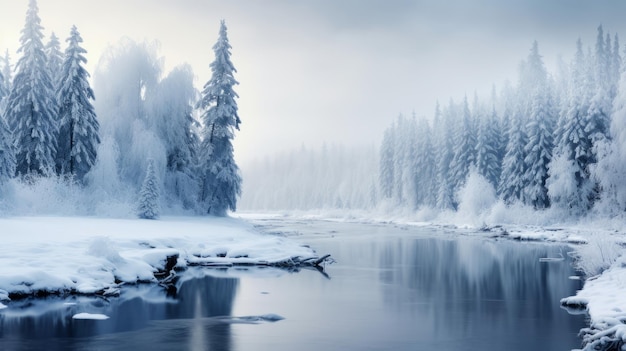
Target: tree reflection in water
x=469 y=287
x=137 y=319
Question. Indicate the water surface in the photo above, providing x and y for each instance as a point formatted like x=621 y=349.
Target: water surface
x=392 y=288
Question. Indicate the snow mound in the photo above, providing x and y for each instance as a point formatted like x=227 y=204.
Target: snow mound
x=81 y=255
x=605 y=302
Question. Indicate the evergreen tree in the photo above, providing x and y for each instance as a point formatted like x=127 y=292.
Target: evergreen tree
x=425 y=166
x=7 y=156
x=386 y=176
x=465 y=148
x=487 y=145
x=561 y=98
x=3 y=93
x=508 y=110
x=7 y=72
x=513 y=167
x=148 y=205
x=400 y=151
x=54 y=58
x=538 y=150
x=5 y=81
x=569 y=184
x=533 y=74
x=220 y=179
x=611 y=168
x=30 y=107
x=616 y=67
x=79 y=128
x=597 y=118
x=411 y=190
x=5 y=90
x=445 y=154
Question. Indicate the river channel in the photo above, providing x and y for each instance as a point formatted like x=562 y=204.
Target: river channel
x=391 y=288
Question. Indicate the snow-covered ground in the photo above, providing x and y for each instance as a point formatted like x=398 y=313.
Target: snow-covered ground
x=604 y=297
x=598 y=246
x=88 y=255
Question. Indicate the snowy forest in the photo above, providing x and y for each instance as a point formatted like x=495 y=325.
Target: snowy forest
x=149 y=141
x=552 y=140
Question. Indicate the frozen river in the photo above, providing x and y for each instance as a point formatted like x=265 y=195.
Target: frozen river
x=391 y=288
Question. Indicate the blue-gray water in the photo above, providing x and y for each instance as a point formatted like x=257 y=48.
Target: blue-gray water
x=392 y=288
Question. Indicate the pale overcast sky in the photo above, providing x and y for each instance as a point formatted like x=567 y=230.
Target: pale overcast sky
x=333 y=70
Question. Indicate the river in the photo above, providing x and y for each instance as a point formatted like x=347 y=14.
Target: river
x=391 y=288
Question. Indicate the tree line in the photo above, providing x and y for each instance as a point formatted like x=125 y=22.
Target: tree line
x=148 y=130
x=553 y=140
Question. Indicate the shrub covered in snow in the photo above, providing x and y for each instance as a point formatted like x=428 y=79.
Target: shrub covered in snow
x=476 y=197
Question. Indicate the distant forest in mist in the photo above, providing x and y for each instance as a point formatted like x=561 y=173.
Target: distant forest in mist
x=553 y=140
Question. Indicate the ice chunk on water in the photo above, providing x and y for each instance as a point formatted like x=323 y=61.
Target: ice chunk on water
x=93 y=316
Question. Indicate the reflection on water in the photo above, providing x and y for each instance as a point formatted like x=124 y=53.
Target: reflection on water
x=466 y=288
x=390 y=289
x=136 y=320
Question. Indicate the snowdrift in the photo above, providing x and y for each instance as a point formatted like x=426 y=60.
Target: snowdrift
x=81 y=255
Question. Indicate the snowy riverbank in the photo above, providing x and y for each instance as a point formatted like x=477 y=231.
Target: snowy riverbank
x=597 y=244
x=83 y=255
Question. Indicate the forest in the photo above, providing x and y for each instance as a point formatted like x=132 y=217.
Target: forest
x=149 y=141
x=551 y=140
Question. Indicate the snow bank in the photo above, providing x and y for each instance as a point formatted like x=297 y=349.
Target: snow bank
x=92 y=255
x=603 y=297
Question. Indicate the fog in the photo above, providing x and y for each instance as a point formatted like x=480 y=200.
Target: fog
x=332 y=71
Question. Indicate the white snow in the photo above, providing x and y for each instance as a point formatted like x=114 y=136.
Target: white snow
x=87 y=255
x=92 y=316
x=605 y=301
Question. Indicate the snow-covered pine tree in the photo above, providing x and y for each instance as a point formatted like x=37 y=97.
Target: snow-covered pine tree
x=219 y=174
x=7 y=71
x=445 y=154
x=508 y=98
x=561 y=98
x=409 y=168
x=29 y=110
x=569 y=184
x=532 y=74
x=610 y=168
x=54 y=58
x=5 y=81
x=148 y=205
x=3 y=93
x=513 y=168
x=616 y=67
x=597 y=119
x=464 y=149
x=538 y=149
x=487 y=145
x=386 y=176
x=399 y=159
x=7 y=156
x=425 y=165
x=79 y=131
